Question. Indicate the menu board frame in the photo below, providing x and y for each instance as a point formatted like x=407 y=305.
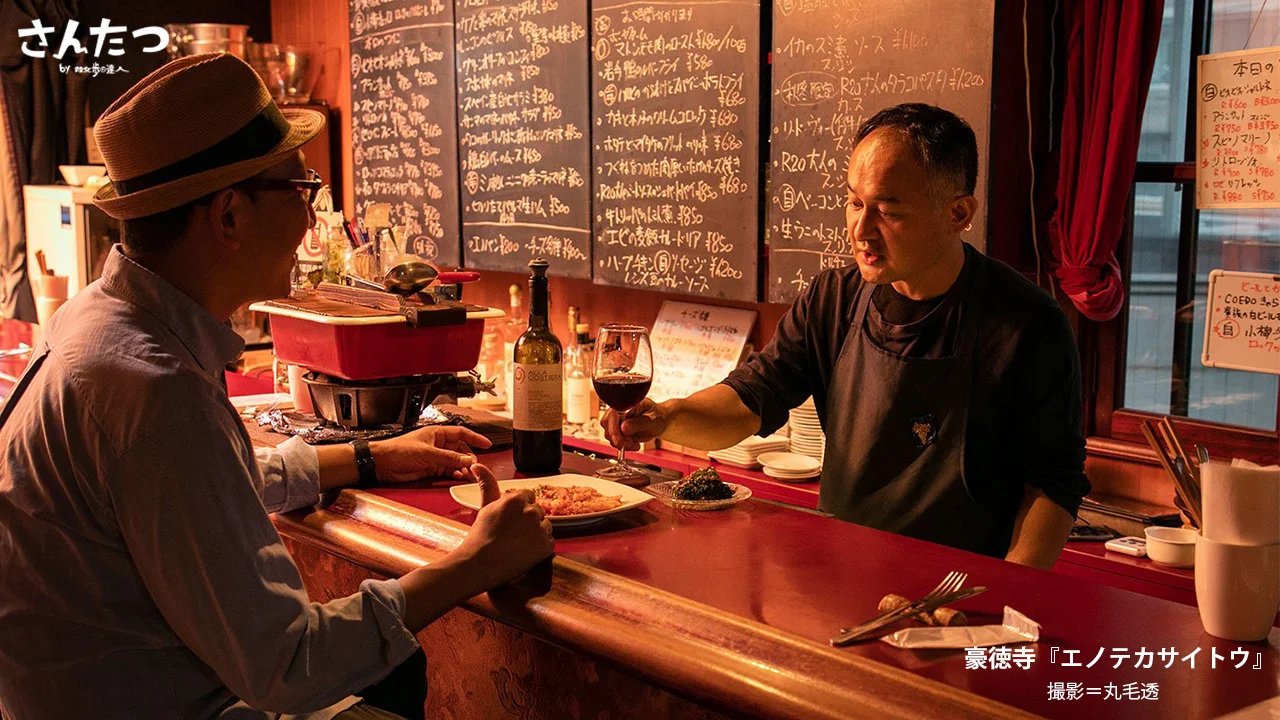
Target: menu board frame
x=1219 y=320
x=715 y=258
x=1208 y=92
x=370 y=23
x=848 y=75
x=514 y=204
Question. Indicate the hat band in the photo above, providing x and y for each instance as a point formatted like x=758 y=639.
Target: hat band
x=255 y=139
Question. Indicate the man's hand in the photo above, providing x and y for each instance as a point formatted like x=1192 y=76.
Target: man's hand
x=430 y=452
x=645 y=422
x=511 y=533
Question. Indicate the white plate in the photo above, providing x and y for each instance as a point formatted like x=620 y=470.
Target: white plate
x=744 y=464
x=662 y=491
x=792 y=477
x=788 y=462
x=469 y=495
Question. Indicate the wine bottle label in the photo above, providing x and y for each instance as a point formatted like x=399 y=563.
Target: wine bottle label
x=537 y=402
x=579 y=408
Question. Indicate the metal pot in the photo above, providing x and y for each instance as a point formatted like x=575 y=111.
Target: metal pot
x=199 y=38
x=394 y=401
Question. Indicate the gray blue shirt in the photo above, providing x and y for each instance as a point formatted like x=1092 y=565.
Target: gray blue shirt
x=140 y=574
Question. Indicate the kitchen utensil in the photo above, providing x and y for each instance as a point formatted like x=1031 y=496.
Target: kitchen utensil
x=1181 y=485
x=922 y=606
x=200 y=38
x=950 y=583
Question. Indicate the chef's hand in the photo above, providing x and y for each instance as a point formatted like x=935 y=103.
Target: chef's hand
x=511 y=533
x=645 y=422
x=430 y=452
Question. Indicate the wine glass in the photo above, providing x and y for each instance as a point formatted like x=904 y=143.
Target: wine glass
x=622 y=374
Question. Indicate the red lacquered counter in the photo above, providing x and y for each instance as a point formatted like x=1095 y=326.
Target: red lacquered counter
x=733 y=609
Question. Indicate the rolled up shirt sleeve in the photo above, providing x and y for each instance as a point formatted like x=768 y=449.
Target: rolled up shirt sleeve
x=776 y=379
x=290 y=475
x=214 y=564
x=1051 y=432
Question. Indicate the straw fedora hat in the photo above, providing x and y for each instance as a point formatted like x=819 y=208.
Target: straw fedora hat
x=195 y=126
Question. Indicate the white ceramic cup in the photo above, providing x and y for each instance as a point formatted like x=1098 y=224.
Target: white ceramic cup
x=298 y=390
x=1241 y=506
x=1237 y=589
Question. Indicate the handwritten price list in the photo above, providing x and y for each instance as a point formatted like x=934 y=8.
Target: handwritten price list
x=1238 y=152
x=674 y=151
x=402 y=119
x=523 y=134
x=835 y=64
x=1243 y=322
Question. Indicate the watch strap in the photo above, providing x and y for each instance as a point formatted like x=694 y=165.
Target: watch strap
x=365 y=471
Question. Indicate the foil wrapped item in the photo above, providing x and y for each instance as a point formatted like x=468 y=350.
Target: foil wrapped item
x=1016 y=628
x=315 y=431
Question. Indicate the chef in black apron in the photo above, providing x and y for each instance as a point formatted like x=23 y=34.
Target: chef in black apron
x=948 y=386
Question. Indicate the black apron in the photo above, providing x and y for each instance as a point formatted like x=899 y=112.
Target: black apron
x=896 y=430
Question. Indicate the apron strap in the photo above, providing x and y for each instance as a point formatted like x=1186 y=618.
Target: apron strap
x=27 y=375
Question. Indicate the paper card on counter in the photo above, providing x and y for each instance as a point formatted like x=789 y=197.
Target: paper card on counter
x=1017 y=628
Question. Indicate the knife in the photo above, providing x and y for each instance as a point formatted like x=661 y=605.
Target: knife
x=845 y=638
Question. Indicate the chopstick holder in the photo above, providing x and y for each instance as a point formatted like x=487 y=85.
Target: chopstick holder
x=1184 y=488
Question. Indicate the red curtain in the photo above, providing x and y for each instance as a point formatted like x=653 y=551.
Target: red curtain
x=1111 y=48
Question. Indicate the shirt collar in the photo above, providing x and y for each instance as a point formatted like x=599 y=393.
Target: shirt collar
x=212 y=343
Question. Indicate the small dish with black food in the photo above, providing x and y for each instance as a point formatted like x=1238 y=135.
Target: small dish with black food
x=702 y=489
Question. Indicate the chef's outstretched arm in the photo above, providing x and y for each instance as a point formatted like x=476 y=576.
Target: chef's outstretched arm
x=710 y=419
x=1040 y=530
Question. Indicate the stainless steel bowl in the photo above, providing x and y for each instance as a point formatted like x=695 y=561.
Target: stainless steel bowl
x=199 y=38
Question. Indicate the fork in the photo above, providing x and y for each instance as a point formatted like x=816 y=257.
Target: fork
x=952 y=582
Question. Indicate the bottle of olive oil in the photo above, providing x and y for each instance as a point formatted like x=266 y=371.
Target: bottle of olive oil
x=537 y=412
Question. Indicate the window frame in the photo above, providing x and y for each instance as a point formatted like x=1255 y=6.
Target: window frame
x=1104 y=345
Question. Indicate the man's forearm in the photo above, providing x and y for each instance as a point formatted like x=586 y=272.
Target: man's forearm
x=436 y=589
x=710 y=419
x=1039 y=532
x=337 y=466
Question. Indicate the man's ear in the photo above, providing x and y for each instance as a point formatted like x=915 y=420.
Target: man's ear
x=962 y=211
x=224 y=217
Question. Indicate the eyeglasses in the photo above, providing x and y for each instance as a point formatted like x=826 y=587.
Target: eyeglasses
x=310 y=187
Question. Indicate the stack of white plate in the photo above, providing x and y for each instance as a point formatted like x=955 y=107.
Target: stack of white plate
x=807 y=437
x=790 y=467
x=746 y=453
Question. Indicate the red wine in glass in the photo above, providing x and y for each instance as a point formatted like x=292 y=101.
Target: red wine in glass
x=622 y=374
x=622 y=392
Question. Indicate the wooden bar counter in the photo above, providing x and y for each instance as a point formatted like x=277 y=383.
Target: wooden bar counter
x=662 y=613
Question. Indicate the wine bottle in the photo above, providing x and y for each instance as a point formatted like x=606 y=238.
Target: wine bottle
x=570 y=352
x=515 y=326
x=537 y=412
x=578 y=378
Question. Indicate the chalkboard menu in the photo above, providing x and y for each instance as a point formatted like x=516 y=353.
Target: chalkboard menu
x=1238 y=155
x=675 y=107
x=835 y=64
x=523 y=134
x=404 y=130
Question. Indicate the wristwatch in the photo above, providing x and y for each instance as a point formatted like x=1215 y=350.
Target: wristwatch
x=368 y=476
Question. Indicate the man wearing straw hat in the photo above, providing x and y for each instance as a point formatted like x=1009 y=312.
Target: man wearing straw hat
x=141 y=575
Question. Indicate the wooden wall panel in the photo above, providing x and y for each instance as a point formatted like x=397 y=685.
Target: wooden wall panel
x=323 y=23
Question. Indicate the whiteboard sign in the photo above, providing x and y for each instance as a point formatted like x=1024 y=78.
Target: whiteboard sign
x=1238 y=130
x=696 y=346
x=1242 y=322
